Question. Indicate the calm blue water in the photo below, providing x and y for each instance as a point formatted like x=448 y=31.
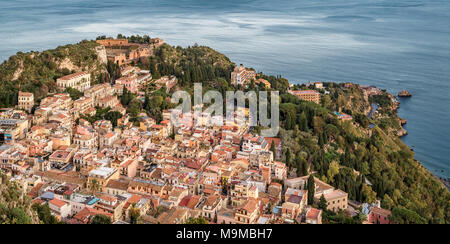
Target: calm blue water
x=394 y=45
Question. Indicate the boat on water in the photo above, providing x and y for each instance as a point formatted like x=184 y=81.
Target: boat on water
x=404 y=93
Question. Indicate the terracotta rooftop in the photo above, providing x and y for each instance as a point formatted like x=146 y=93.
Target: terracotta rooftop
x=72 y=76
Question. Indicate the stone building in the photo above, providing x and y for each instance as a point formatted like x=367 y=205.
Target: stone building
x=26 y=101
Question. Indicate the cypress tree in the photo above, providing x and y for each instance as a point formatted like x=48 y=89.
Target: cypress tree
x=323 y=203
x=311 y=190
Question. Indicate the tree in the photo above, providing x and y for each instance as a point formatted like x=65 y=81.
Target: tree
x=273 y=149
x=302 y=166
x=19 y=216
x=196 y=221
x=73 y=93
x=94 y=185
x=406 y=216
x=127 y=96
x=113 y=116
x=44 y=214
x=303 y=123
x=101 y=219
x=369 y=195
x=332 y=171
x=288 y=157
x=134 y=214
x=311 y=189
x=387 y=202
x=323 y=203
x=321 y=140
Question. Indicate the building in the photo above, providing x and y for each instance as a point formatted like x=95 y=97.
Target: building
x=99 y=178
x=130 y=83
x=247 y=213
x=343 y=116
x=113 y=42
x=86 y=215
x=12 y=129
x=379 y=216
x=99 y=91
x=307 y=95
x=242 y=75
x=318 y=85
x=80 y=81
x=263 y=81
x=108 y=101
x=26 y=101
x=314 y=216
x=121 y=51
x=60 y=208
x=336 y=200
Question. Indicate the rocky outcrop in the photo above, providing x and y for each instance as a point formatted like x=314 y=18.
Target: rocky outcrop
x=101 y=53
x=402 y=132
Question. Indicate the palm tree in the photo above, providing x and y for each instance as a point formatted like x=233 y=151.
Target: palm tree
x=94 y=185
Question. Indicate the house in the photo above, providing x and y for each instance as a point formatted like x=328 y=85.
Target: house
x=343 y=116
x=211 y=206
x=314 y=216
x=86 y=215
x=110 y=204
x=130 y=83
x=128 y=168
x=379 y=216
x=318 y=85
x=336 y=200
x=60 y=208
x=137 y=203
x=280 y=170
x=248 y=212
x=117 y=187
x=295 y=202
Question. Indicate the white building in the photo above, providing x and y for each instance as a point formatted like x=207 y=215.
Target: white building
x=80 y=81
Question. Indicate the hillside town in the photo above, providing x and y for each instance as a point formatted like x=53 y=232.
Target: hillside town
x=153 y=172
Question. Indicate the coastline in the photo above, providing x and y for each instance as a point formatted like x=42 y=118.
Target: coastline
x=403 y=132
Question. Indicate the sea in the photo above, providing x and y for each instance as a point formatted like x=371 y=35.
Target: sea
x=394 y=45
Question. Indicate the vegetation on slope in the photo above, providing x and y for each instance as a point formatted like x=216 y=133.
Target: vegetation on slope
x=190 y=65
x=37 y=72
x=368 y=164
x=15 y=208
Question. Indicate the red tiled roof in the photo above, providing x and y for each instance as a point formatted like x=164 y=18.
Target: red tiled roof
x=313 y=213
x=71 y=76
x=58 y=203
